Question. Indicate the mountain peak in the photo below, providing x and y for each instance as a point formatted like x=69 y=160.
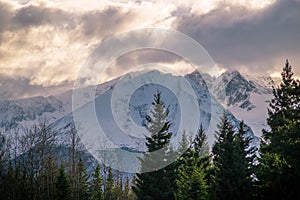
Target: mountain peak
x=231 y=74
x=234 y=86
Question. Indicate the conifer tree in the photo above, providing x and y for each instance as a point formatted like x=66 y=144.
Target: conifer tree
x=191 y=181
x=126 y=192
x=157 y=184
x=62 y=184
x=222 y=159
x=279 y=166
x=51 y=171
x=96 y=185
x=118 y=189
x=82 y=181
x=245 y=157
x=109 y=186
x=200 y=150
x=232 y=166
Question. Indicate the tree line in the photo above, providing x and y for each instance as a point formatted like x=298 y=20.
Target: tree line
x=48 y=171
x=233 y=169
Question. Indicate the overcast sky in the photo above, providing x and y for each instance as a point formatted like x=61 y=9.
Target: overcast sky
x=43 y=43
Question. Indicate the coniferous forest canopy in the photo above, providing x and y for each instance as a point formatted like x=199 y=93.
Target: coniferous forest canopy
x=231 y=169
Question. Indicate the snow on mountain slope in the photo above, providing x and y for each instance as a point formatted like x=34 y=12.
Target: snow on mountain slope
x=14 y=113
x=232 y=88
x=28 y=111
x=118 y=136
x=236 y=89
x=247 y=97
x=139 y=106
x=57 y=109
x=216 y=109
x=265 y=82
x=256 y=117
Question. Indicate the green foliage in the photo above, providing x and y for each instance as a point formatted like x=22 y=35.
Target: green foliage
x=158 y=183
x=82 y=182
x=62 y=184
x=233 y=161
x=109 y=186
x=36 y=174
x=191 y=181
x=158 y=125
x=279 y=168
x=96 y=185
x=126 y=193
x=118 y=189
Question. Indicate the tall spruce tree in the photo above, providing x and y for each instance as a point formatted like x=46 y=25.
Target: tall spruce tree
x=191 y=181
x=82 y=188
x=279 y=165
x=96 y=184
x=233 y=160
x=159 y=183
x=51 y=171
x=109 y=186
x=246 y=158
x=63 y=188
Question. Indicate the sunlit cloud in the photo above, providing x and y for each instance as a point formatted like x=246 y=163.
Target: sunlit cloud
x=45 y=42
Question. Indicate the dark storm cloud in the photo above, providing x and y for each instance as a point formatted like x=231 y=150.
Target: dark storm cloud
x=252 y=38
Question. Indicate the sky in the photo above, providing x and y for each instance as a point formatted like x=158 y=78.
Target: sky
x=43 y=43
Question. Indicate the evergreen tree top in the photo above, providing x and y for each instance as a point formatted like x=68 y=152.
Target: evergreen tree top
x=287 y=74
x=158 y=125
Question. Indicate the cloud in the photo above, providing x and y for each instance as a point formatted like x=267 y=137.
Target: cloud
x=6 y=14
x=43 y=43
x=47 y=45
x=46 y=42
x=29 y=16
x=11 y=88
x=93 y=23
x=237 y=37
x=139 y=58
x=106 y=22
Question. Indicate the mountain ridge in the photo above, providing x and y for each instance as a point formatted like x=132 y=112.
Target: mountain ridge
x=240 y=102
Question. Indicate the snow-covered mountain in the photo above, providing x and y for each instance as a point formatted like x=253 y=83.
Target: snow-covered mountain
x=246 y=98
